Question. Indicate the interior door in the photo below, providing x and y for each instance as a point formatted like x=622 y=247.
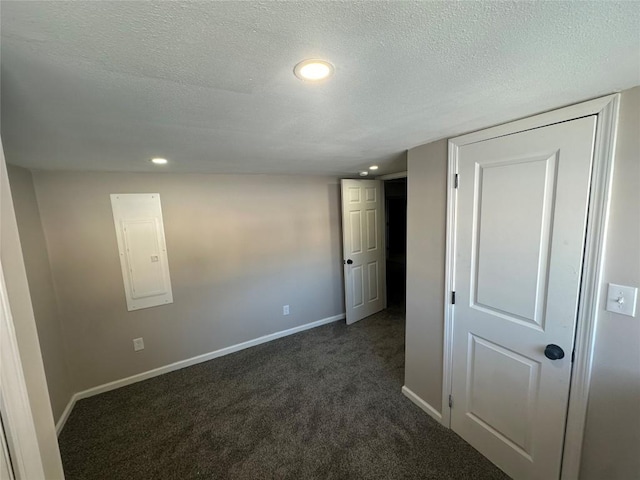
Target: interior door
x=520 y=229
x=363 y=248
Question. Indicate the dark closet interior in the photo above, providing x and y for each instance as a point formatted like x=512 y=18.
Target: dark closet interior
x=396 y=236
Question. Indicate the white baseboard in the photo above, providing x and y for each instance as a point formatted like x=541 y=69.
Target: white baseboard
x=65 y=414
x=187 y=363
x=422 y=404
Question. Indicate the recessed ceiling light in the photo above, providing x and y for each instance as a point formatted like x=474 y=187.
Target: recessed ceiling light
x=313 y=70
x=373 y=167
x=159 y=161
x=364 y=173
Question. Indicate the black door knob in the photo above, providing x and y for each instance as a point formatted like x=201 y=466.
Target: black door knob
x=553 y=352
x=349 y=262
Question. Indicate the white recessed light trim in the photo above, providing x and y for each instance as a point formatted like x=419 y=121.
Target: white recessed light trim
x=373 y=167
x=313 y=70
x=159 y=161
x=364 y=173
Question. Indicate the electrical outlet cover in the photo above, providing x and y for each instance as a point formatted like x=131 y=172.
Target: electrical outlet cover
x=622 y=299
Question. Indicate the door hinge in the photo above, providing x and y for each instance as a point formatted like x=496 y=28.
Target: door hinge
x=453 y=298
x=455 y=181
x=450 y=401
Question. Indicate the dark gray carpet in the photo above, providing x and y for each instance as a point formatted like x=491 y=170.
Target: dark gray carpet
x=325 y=404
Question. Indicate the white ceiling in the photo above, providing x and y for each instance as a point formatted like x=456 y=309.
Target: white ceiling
x=209 y=85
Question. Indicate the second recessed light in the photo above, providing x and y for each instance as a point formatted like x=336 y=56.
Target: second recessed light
x=313 y=70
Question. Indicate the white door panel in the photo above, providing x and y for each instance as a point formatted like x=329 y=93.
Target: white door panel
x=363 y=247
x=510 y=284
x=508 y=417
x=521 y=220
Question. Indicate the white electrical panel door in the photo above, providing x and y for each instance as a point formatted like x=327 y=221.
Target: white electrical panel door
x=143 y=252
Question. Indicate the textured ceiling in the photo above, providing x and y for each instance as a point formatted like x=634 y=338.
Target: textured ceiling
x=209 y=85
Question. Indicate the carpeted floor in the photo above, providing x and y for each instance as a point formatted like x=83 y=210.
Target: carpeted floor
x=322 y=404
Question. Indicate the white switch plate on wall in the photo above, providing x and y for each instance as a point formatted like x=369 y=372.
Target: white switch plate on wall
x=138 y=344
x=622 y=299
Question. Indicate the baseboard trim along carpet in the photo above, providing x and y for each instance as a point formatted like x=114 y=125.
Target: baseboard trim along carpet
x=65 y=414
x=187 y=363
x=422 y=404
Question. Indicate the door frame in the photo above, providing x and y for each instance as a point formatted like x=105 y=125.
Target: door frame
x=606 y=108
x=17 y=418
x=393 y=176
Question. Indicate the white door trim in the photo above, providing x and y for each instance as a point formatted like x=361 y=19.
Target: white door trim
x=14 y=399
x=606 y=108
x=393 y=176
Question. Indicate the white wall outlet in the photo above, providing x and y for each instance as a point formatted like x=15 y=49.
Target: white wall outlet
x=285 y=310
x=622 y=299
x=138 y=344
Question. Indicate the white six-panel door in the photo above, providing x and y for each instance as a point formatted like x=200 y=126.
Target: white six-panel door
x=363 y=248
x=520 y=229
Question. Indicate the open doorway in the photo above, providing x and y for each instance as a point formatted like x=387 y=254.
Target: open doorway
x=395 y=196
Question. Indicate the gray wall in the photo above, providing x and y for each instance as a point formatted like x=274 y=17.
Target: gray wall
x=239 y=247
x=612 y=438
x=426 y=224
x=43 y=297
x=13 y=269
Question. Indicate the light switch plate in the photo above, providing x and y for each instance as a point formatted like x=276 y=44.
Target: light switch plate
x=138 y=344
x=622 y=299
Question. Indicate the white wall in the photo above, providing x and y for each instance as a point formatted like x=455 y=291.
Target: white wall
x=612 y=438
x=240 y=247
